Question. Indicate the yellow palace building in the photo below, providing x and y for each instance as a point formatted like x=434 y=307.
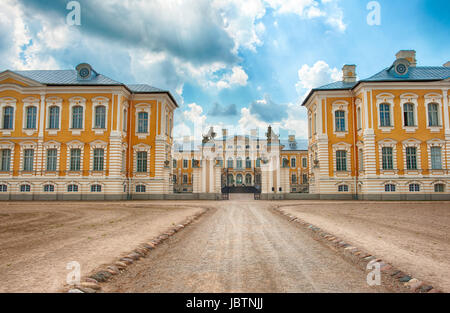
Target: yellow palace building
x=77 y=134
x=385 y=137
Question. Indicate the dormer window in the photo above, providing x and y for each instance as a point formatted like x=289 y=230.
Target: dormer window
x=85 y=72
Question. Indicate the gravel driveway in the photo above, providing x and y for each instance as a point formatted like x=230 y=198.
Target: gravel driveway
x=242 y=246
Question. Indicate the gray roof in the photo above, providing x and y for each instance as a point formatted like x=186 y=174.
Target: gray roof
x=65 y=77
x=337 y=86
x=143 y=88
x=421 y=73
x=297 y=145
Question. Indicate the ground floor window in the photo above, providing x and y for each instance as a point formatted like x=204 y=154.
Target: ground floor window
x=389 y=188
x=414 y=187
x=3 y=188
x=49 y=188
x=72 y=188
x=96 y=188
x=140 y=188
x=25 y=188
x=439 y=188
x=343 y=188
x=239 y=179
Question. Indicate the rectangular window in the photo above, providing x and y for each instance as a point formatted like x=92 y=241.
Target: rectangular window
x=77 y=117
x=31 y=117
x=8 y=118
x=305 y=178
x=25 y=188
x=387 y=158
x=124 y=161
x=98 y=160
x=361 y=160
x=72 y=188
x=433 y=114
x=343 y=188
x=389 y=188
x=124 y=120
x=143 y=122
x=185 y=164
x=185 y=179
x=340 y=121
x=436 y=158
x=439 y=188
x=54 y=118
x=100 y=117
x=294 y=179
x=293 y=162
x=28 y=160
x=52 y=157
x=142 y=162
x=341 y=161
x=304 y=162
x=411 y=158
x=5 y=161
x=408 y=114
x=414 y=187
x=49 y=188
x=75 y=160
x=385 y=115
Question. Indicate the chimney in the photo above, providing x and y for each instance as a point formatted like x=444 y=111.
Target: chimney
x=410 y=55
x=224 y=133
x=349 y=73
x=291 y=138
x=447 y=64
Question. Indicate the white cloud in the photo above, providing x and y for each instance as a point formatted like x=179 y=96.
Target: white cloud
x=315 y=76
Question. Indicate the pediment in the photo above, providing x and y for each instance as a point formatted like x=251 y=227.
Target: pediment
x=12 y=78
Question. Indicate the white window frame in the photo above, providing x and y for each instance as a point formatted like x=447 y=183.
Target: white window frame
x=47 y=146
x=24 y=146
x=74 y=102
x=386 y=98
x=441 y=144
x=11 y=146
x=30 y=102
x=98 y=144
x=388 y=143
x=345 y=147
x=50 y=102
x=416 y=144
x=100 y=101
x=141 y=148
x=340 y=105
x=7 y=102
x=434 y=98
x=75 y=144
x=409 y=98
x=143 y=107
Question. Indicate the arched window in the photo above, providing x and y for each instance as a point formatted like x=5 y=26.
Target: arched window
x=25 y=188
x=239 y=179
x=49 y=188
x=72 y=188
x=8 y=118
x=238 y=163
x=340 y=120
x=230 y=163
x=385 y=115
x=140 y=188
x=142 y=122
x=433 y=114
x=100 y=117
x=96 y=188
x=31 y=117
x=53 y=118
x=77 y=117
x=408 y=112
x=248 y=179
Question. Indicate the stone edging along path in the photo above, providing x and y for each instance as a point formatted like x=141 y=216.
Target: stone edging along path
x=92 y=283
x=395 y=277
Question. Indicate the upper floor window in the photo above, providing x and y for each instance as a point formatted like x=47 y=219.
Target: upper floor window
x=5 y=160
x=436 y=158
x=304 y=162
x=142 y=122
x=185 y=164
x=53 y=118
x=258 y=162
x=28 y=160
x=385 y=115
x=340 y=120
x=100 y=117
x=239 y=163
x=52 y=157
x=341 y=161
x=433 y=114
x=411 y=158
x=293 y=162
x=31 y=113
x=77 y=117
x=8 y=118
x=185 y=179
x=305 y=178
x=358 y=118
x=285 y=162
x=142 y=162
x=248 y=163
x=408 y=112
x=174 y=163
x=98 y=159
x=387 y=158
x=124 y=122
x=294 y=179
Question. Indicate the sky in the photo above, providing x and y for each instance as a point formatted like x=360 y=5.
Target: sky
x=235 y=64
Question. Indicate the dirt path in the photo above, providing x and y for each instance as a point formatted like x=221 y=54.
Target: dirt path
x=38 y=239
x=415 y=236
x=242 y=247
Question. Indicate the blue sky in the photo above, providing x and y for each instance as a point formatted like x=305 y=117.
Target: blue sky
x=229 y=63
